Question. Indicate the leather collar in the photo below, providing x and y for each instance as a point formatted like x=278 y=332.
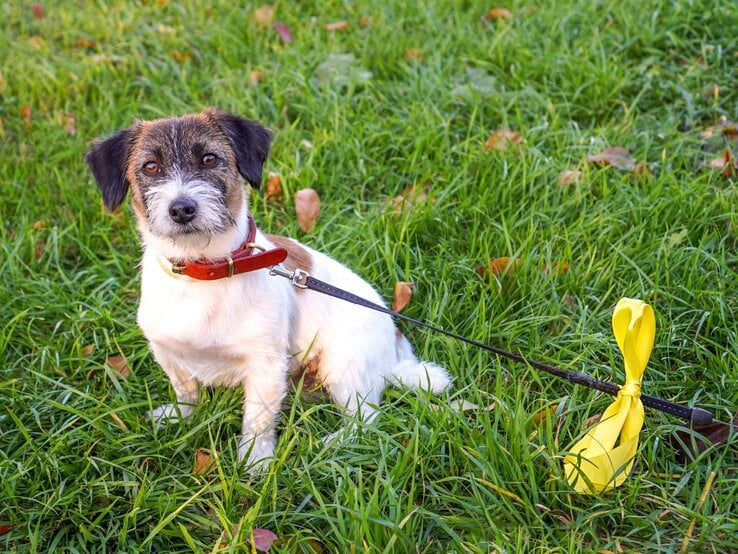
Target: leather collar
x=248 y=257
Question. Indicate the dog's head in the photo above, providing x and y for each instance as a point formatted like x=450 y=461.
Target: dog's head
x=184 y=173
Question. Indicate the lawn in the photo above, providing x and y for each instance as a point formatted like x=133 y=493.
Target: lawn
x=371 y=101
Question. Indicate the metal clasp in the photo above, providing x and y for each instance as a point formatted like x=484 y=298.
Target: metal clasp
x=297 y=277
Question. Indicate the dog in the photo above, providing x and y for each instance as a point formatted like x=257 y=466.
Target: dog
x=252 y=330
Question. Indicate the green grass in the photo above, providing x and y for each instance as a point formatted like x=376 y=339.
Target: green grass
x=82 y=470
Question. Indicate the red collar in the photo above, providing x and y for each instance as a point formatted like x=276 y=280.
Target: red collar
x=241 y=260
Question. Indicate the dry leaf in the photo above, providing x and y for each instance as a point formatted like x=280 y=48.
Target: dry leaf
x=342 y=25
x=726 y=162
x=274 y=189
x=88 y=350
x=412 y=195
x=590 y=421
x=38 y=252
x=39 y=225
x=728 y=129
x=502 y=140
x=568 y=177
x=641 y=171
x=262 y=539
x=367 y=20
x=264 y=15
x=689 y=444
x=70 y=123
x=25 y=113
x=5 y=529
x=283 y=31
x=180 y=56
x=413 y=55
x=558 y=267
x=119 y=365
x=615 y=156
x=307 y=207
x=541 y=416
x=255 y=77
x=38 y=11
x=402 y=295
x=497 y=14
x=84 y=43
x=497 y=267
x=203 y=462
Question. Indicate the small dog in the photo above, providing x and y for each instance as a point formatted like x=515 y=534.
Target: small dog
x=251 y=329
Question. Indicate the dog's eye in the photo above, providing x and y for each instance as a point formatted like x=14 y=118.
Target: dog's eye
x=208 y=160
x=151 y=168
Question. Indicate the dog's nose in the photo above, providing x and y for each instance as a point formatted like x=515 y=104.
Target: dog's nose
x=183 y=210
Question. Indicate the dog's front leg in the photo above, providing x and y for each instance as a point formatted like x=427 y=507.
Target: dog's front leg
x=263 y=392
x=186 y=388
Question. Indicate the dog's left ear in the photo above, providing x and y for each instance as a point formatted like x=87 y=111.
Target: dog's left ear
x=108 y=161
x=250 y=143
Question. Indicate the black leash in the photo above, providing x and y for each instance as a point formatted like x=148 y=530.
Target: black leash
x=695 y=416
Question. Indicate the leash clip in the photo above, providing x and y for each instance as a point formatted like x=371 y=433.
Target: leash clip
x=297 y=277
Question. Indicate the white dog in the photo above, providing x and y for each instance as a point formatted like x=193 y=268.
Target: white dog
x=247 y=329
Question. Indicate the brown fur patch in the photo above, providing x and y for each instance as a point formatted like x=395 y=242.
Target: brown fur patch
x=308 y=373
x=297 y=256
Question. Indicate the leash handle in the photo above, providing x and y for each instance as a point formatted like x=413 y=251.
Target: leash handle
x=301 y=279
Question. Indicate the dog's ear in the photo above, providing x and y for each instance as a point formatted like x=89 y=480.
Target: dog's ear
x=250 y=143
x=108 y=161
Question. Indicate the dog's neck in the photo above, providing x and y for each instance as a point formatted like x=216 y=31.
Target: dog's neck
x=197 y=246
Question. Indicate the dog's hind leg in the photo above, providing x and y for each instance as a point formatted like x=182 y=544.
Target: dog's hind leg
x=186 y=388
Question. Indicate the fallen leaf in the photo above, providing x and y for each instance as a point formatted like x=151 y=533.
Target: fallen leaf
x=497 y=14
x=615 y=156
x=413 y=195
x=413 y=55
x=203 y=462
x=5 y=529
x=367 y=20
x=541 y=416
x=25 y=113
x=283 y=31
x=39 y=250
x=38 y=225
x=689 y=444
x=88 y=350
x=727 y=163
x=590 y=421
x=725 y=127
x=70 y=123
x=342 y=25
x=119 y=365
x=38 y=11
x=569 y=177
x=641 y=171
x=180 y=56
x=502 y=140
x=307 y=207
x=84 y=43
x=273 y=189
x=497 y=267
x=558 y=267
x=402 y=294
x=264 y=15
x=262 y=539
x=255 y=77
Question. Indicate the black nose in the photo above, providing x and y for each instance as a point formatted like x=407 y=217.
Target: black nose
x=183 y=210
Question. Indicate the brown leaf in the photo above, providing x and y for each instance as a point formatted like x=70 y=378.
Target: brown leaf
x=203 y=462
x=40 y=224
x=283 y=31
x=70 y=123
x=38 y=252
x=542 y=415
x=497 y=267
x=413 y=55
x=556 y=267
x=726 y=162
x=497 y=14
x=307 y=207
x=689 y=444
x=5 y=529
x=119 y=365
x=38 y=11
x=255 y=77
x=273 y=189
x=262 y=539
x=412 y=195
x=568 y=177
x=641 y=171
x=88 y=350
x=25 y=113
x=502 y=140
x=402 y=295
x=264 y=15
x=342 y=25
x=84 y=43
x=615 y=156
x=367 y=20
x=180 y=56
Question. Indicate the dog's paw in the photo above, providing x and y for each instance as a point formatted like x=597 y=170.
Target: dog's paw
x=256 y=453
x=167 y=414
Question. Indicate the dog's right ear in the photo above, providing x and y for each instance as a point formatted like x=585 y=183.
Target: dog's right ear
x=108 y=161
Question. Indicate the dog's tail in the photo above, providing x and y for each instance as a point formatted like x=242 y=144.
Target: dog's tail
x=412 y=373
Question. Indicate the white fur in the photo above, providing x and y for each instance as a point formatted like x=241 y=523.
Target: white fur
x=252 y=329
